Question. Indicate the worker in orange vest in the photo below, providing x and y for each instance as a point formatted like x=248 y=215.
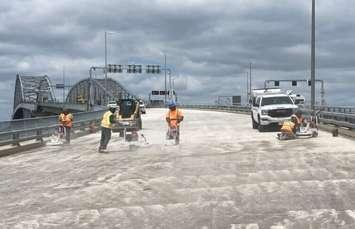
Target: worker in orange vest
x=174 y=117
x=66 y=123
x=300 y=120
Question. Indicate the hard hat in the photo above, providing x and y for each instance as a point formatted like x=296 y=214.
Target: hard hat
x=293 y=119
x=298 y=112
x=171 y=104
x=112 y=106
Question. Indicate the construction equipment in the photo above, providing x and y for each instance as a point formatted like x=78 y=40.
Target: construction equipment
x=129 y=121
x=308 y=130
x=58 y=137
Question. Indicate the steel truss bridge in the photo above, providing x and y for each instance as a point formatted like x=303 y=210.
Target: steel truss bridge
x=34 y=96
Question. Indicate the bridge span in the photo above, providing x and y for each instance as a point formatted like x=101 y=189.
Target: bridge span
x=223 y=175
x=34 y=96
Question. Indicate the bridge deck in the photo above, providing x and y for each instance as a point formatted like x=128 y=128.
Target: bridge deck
x=223 y=175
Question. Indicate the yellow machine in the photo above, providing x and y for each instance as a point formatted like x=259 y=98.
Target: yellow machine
x=129 y=120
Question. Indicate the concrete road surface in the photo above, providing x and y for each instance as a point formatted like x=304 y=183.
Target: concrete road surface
x=223 y=175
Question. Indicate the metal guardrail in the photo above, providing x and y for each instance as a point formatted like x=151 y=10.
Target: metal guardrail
x=16 y=131
x=243 y=109
x=345 y=118
x=350 y=110
x=337 y=109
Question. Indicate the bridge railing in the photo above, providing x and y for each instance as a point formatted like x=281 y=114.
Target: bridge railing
x=16 y=131
x=243 y=109
x=344 y=117
x=350 y=110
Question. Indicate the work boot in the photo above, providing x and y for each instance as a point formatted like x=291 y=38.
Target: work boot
x=102 y=150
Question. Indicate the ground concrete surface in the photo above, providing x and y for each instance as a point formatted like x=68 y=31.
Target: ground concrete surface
x=223 y=175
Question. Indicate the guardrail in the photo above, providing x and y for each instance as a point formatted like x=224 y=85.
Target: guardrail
x=16 y=131
x=344 y=119
x=242 y=109
x=336 y=109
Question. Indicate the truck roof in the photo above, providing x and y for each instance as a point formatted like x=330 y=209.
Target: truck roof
x=265 y=91
x=273 y=95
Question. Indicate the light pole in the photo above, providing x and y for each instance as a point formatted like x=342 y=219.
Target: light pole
x=169 y=72
x=313 y=56
x=173 y=84
x=105 y=70
x=165 y=76
x=105 y=67
x=247 y=95
x=250 y=64
x=63 y=85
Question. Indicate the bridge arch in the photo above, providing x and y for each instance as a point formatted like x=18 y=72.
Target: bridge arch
x=29 y=91
x=95 y=91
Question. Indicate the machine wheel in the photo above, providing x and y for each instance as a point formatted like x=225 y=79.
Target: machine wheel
x=254 y=124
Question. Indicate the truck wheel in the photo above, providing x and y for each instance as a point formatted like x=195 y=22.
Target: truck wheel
x=254 y=124
x=261 y=128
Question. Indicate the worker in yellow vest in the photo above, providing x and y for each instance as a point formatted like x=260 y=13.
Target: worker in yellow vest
x=66 y=123
x=107 y=122
x=288 y=129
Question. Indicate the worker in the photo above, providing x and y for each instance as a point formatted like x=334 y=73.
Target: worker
x=107 y=122
x=66 y=123
x=300 y=120
x=174 y=117
x=288 y=129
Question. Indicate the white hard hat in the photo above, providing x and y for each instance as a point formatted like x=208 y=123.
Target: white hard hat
x=111 y=105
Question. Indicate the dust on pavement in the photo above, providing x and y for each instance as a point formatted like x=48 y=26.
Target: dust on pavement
x=224 y=174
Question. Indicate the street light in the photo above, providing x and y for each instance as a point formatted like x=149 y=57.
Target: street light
x=106 y=33
x=250 y=64
x=165 y=81
x=247 y=95
x=165 y=75
x=313 y=56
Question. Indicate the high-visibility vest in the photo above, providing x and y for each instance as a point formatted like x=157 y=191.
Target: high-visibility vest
x=105 y=122
x=287 y=127
x=66 y=120
x=174 y=116
x=299 y=120
x=61 y=117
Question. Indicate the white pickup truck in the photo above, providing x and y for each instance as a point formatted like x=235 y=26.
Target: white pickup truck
x=270 y=107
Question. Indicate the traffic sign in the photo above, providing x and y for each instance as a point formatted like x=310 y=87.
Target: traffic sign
x=59 y=86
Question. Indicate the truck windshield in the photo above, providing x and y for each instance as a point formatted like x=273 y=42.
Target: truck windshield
x=276 y=100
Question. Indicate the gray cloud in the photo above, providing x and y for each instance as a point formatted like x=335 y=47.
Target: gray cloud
x=208 y=43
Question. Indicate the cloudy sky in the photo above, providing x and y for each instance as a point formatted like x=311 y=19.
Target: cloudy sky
x=208 y=43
